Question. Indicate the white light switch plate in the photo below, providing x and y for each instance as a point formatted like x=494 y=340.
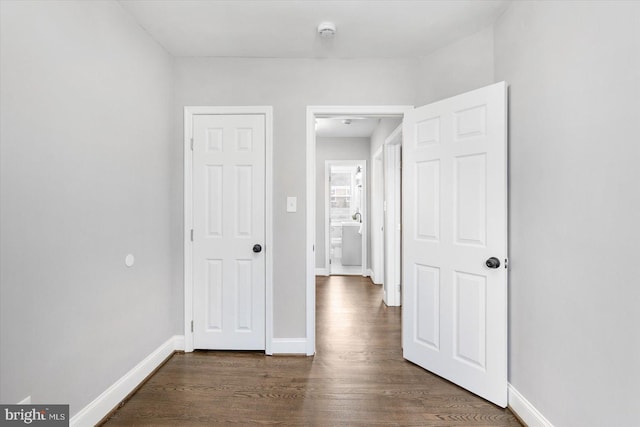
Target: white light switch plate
x=292 y=204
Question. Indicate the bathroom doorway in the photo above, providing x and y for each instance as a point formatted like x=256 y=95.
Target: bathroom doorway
x=346 y=225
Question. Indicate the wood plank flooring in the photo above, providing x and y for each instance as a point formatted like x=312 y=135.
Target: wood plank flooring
x=356 y=378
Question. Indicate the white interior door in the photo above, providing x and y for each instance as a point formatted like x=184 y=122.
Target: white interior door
x=229 y=232
x=455 y=222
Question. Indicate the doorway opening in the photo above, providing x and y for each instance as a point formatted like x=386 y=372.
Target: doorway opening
x=345 y=225
x=318 y=227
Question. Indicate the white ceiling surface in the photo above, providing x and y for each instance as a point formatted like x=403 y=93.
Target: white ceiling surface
x=287 y=28
x=334 y=128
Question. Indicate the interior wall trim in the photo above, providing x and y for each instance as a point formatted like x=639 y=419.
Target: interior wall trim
x=524 y=410
x=296 y=346
x=322 y=271
x=102 y=405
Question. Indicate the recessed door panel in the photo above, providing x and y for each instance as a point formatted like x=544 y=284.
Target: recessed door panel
x=428 y=200
x=428 y=131
x=244 y=295
x=244 y=199
x=214 y=294
x=215 y=202
x=470 y=296
x=427 y=306
x=244 y=139
x=214 y=139
x=470 y=181
x=470 y=122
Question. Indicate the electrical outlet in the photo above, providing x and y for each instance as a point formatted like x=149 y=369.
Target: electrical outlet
x=292 y=204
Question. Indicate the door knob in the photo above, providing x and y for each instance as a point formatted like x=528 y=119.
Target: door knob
x=257 y=248
x=493 y=262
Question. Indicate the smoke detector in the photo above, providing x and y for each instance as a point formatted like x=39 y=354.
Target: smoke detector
x=327 y=30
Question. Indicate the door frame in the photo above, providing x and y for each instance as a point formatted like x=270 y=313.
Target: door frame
x=327 y=221
x=189 y=113
x=392 y=218
x=314 y=111
x=377 y=216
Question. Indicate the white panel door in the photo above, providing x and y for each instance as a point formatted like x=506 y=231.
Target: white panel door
x=454 y=232
x=229 y=232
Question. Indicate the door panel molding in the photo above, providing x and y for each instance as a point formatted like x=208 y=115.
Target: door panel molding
x=189 y=113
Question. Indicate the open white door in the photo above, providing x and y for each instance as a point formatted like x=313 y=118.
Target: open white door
x=455 y=240
x=229 y=232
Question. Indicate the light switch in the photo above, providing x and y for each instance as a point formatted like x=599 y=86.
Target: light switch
x=292 y=204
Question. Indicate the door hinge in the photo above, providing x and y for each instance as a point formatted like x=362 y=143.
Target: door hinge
x=192 y=326
x=191 y=144
x=192 y=234
x=506 y=263
x=329 y=261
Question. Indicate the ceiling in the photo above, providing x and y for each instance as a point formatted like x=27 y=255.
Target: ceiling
x=287 y=28
x=333 y=127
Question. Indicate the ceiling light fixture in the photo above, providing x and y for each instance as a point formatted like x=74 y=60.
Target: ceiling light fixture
x=327 y=29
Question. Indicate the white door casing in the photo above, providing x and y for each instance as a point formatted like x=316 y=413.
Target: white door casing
x=454 y=219
x=392 y=220
x=377 y=217
x=229 y=217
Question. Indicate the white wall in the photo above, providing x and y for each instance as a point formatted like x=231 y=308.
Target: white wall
x=334 y=149
x=375 y=255
x=574 y=74
x=457 y=68
x=386 y=126
x=85 y=133
x=289 y=85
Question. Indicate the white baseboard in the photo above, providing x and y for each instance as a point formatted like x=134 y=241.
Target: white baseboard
x=25 y=401
x=178 y=342
x=367 y=273
x=289 y=346
x=525 y=410
x=95 y=411
x=374 y=278
x=322 y=271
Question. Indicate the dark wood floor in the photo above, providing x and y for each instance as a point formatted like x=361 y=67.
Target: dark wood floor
x=357 y=378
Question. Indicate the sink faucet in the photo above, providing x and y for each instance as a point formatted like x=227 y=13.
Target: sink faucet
x=357 y=216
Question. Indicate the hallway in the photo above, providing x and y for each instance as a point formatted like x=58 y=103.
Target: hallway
x=357 y=377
